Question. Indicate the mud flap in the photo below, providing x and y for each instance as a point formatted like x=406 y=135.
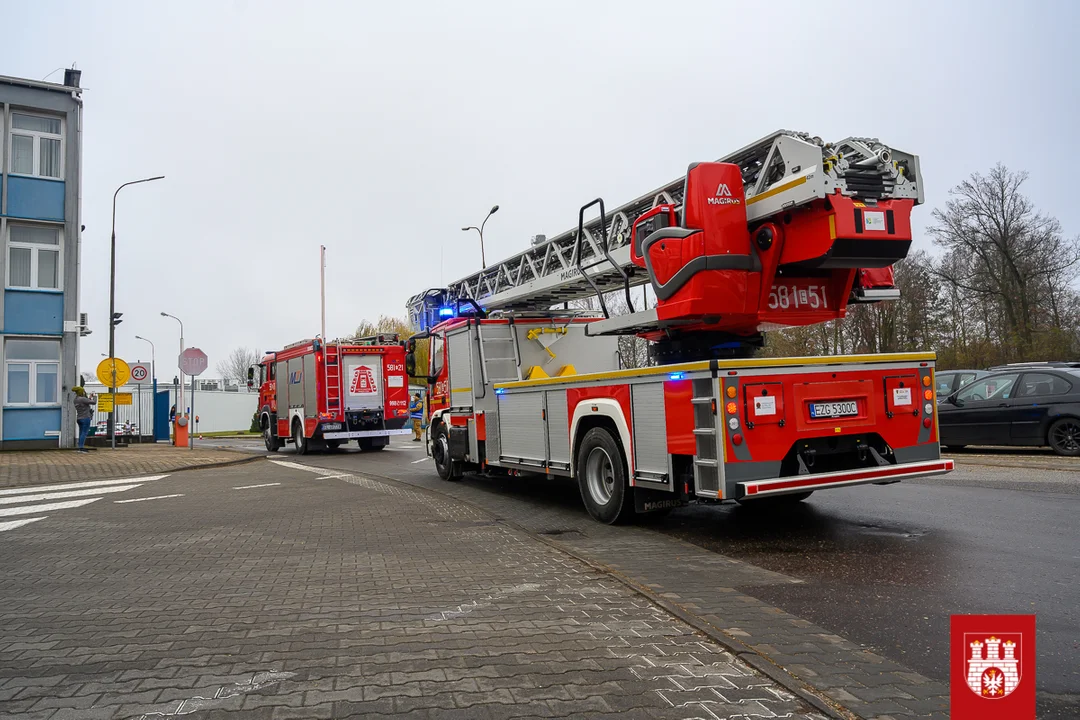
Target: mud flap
x=649 y=500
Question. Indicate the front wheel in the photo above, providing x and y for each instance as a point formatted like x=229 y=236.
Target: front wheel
x=1064 y=437
x=299 y=441
x=270 y=438
x=440 y=449
x=602 y=479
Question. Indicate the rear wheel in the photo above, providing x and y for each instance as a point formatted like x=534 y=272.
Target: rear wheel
x=370 y=444
x=333 y=444
x=299 y=441
x=270 y=438
x=1064 y=437
x=440 y=449
x=601 y=476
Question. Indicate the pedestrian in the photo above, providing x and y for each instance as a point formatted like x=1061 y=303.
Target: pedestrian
x=416 y=411
x=84 y=415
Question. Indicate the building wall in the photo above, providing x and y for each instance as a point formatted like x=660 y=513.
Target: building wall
x=37 y=313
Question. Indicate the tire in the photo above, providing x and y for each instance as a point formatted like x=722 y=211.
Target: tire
x=368 y=445
x=333 y=444
x=270 y=438
x=299 y=441
x=1064 y=437
x=602 y=478
x=440 y=449
x=776 y=500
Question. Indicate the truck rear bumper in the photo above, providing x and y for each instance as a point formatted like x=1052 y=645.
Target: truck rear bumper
x=824 y=481
x=349 y=435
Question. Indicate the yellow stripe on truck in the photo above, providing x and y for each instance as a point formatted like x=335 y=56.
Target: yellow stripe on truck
x=777 y=190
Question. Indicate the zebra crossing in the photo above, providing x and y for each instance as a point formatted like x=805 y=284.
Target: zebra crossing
x=44 y=500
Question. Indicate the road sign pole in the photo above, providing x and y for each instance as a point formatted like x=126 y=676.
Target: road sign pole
x=191 y=418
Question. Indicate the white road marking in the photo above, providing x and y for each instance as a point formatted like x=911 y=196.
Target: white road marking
x=248 y=487
x=333 y=477
x=78 y=485
x=420 y=460
x=61 y=495
x=48 y=507
x=298 y=466
x=156 y=497
x=194 y=704
x=12 y=524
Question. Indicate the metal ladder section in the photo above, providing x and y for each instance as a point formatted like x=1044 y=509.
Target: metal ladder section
x=332 y=365
x=780 y=171
x=707 y=459
x=499 y=354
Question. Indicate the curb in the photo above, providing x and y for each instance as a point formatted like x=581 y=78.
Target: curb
x=805 y=692
x=210 y=466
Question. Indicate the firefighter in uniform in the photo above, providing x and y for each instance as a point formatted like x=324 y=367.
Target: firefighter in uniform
x=416 y=411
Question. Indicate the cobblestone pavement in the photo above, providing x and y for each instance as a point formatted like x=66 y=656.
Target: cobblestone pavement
x=709 y=585
x=262 y=591
x=37 y=467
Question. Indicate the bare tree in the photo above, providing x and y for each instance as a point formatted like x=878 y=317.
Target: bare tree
x=235 y=365
x=1011 y=260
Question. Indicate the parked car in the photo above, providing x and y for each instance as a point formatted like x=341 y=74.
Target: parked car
x=949 y=381
x=1027 y=406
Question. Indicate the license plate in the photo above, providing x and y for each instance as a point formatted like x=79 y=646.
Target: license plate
x=795 y=295
x=844 y=408
x=331 y=426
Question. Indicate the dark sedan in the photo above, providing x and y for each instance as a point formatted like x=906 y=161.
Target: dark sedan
x=1026 y=406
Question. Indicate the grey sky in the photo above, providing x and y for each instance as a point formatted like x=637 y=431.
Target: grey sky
x=379 y=129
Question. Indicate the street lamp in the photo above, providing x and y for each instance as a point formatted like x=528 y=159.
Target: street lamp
x=153 y=385
x=112 y=304
x=180 y=386
x=494 y=209
x=153 y=360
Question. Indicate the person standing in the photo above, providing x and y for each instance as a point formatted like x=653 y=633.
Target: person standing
x=416 y=411
x=84 y=415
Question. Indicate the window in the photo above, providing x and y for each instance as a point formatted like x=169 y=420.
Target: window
x=437 y=348
x=36 y=145
x=1044 y=384
x=33 y=257
x=32 y=371
x=945 y=383
x=992 y=387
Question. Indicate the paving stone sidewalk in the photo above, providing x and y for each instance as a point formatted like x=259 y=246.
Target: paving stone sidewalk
x=332 y=595
x=712 y=587
x=41 y=467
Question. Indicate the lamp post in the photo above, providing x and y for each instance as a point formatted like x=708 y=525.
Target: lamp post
x=112 y=304
x=494 y=209
x=153 y=385
x=180 y=386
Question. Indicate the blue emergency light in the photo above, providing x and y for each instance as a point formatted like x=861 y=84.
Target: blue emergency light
x=446 y=312
x=676 y=376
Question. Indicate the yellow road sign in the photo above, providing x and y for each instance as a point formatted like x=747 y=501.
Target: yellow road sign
x=105 y=369
x=105 y=401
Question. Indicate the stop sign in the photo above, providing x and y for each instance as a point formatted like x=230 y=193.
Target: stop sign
x=193 y=361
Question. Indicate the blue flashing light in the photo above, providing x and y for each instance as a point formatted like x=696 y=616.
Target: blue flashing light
x=676 y=376
x=500 y=391
x=446 y=312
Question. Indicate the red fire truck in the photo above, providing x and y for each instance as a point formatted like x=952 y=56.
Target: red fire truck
x=319 y=395
x=784 y=232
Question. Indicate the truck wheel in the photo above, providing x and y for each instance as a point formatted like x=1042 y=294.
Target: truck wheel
x=601 y=476
x=333 y=444
x=368 y=444
x=299 y=441
x=273 y=442
x=440 y=449
x=1064 y=437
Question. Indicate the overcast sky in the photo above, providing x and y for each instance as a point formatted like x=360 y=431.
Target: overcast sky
x=380 y=129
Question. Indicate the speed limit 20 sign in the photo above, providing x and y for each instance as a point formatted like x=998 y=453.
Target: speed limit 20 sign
x=140 y=373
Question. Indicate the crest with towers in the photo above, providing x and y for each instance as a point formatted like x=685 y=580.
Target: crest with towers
x=993 y=664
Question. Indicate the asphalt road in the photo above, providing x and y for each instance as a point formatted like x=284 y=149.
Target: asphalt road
x=885 y=566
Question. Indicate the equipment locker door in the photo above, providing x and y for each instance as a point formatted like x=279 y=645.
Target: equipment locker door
x=363 y=382
x=459 y=349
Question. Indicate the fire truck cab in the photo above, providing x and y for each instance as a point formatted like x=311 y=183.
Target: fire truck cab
x=318 y=395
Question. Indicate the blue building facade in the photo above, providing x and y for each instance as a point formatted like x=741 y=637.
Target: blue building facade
x=40 y=226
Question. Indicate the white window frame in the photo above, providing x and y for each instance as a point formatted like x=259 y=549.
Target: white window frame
x=32 y=396
x=34 y=248
x=12 y=131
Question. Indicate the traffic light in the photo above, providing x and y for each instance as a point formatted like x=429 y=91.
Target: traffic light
x=116 y=318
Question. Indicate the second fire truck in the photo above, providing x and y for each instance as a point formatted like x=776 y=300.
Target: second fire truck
x=319 y=395
x=784 y=232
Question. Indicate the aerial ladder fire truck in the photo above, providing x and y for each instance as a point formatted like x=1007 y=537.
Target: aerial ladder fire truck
x=787 y=231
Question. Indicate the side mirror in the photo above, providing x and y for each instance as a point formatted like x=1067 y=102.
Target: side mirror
x=251 y=375
x=410 y=346
x=410 y=362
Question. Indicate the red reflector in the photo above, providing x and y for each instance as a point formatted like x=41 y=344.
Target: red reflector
x=736 y=439
x=732 y=372
x=926 y=422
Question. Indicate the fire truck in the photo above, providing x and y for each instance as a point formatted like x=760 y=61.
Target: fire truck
x=787 y=231
x=318 y=395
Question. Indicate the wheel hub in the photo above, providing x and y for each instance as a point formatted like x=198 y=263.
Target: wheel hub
x=600 y=476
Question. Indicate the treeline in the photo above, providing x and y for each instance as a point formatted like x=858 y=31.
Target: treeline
x=1003 y=289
